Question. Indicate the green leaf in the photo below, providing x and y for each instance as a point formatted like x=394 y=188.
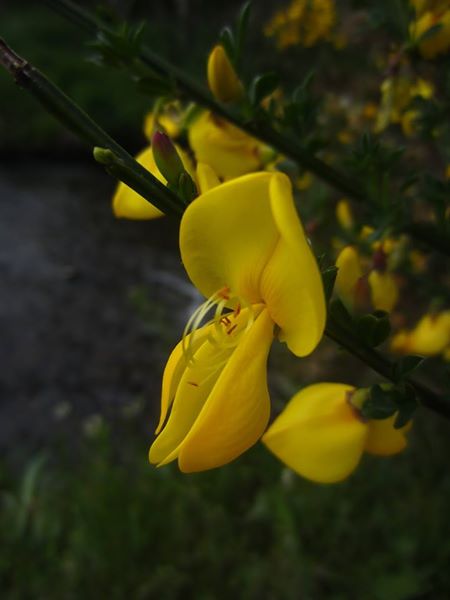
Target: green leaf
x=408 y=404
x=381 y=403
x=262 y=86
x=328 y=278
x=374 y=328
x=406 y=364
x=241 y=29
x=186 y=187
x=339 y=313
x=228 y=42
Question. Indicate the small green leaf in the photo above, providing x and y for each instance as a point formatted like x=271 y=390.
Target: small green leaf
x=186 y=187
x=241 y=28
x=228 y=42
x=262 y=86
x=374 y=328
x=407 y=405
x=406 y=364
x=381 y=403
x=328 y=278
x=339 y=313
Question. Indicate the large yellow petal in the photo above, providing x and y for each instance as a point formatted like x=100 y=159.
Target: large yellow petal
x=238 y=407
x=129 y=204
x=175 y=367
x=194 y=386
x=291 y=284
x=383 y=439
x=227 y=236
x=319 y=435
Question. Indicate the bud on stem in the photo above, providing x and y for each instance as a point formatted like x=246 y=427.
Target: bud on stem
x=166 y=158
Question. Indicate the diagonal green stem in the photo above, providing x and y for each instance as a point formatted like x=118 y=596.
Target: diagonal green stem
x=73 y=117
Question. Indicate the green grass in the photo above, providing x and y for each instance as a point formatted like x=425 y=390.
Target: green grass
x=112 y=526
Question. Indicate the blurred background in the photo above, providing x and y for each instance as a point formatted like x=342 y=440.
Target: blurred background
x=90 y=308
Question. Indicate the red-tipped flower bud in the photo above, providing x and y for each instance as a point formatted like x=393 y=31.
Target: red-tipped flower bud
x=166 y=158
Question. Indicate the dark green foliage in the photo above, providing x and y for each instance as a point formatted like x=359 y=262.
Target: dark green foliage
x=111 y=527
x=374 y=328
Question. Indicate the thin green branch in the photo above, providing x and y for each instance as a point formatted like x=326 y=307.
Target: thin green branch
x=73 y=117
x=261 y=130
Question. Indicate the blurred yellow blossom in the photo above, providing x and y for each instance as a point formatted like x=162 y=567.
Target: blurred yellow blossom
x=421 y=6
x=167 y=118
x=396 y=95
x=360 y=282
x=431 y=336
x=222 y=79
x=229 y=151
x=344 y=214
x=431 y=30
x=303 y=22
x=322 y=436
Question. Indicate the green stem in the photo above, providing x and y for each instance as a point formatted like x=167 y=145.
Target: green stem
x=261 y=130
x=73 y=117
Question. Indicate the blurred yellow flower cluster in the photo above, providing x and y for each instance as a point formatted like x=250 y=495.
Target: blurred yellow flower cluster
x=245 y=249
x=366 y=284
x=397 y=93
x=431 y=27
x=430 y=337
x=303 y=22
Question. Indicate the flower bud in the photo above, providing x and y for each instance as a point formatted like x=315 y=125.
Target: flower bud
x=166 y=158
x=222 y=79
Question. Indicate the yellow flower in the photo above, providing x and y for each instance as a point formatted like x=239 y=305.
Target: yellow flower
x=244 y=248
x=422 y=6
x=229 y=151
x=128 y=204
x=396 y=95
x=384 y=290
x=322 y=436
x=353 y=282
x=344 y=214
x=303 y=22
x=432 y=42
x=222 y=79
x=348 y=276
x=168 y=118
x=430 y=337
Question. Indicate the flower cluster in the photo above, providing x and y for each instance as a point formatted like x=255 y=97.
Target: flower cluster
x=246 y=250
x=302 y=22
